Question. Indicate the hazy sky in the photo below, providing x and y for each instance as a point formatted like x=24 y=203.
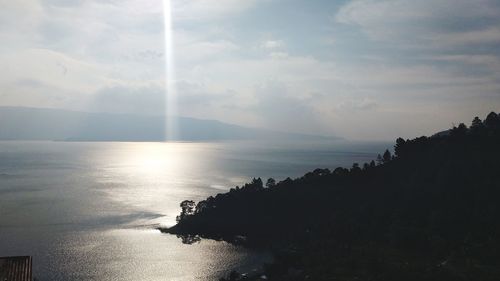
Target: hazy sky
x=358 y=69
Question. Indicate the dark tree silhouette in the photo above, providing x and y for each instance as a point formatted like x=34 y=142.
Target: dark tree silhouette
x=459 y=131
x=366 y=166
x=477 y=125
x=399 y=148
x=355 y=168
x=340 y=171
x=187 y=209
x=492 y=121
x=387 y=156
x=270 y=182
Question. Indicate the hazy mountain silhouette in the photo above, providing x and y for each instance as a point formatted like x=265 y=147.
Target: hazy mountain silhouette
x=20 y=123
x=430 y=212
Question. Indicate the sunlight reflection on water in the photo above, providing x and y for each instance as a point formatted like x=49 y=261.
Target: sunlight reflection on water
x=157 y=176
x=155 y=257
x=87 y=211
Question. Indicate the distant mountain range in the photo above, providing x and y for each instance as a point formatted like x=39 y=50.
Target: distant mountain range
x=22 y=123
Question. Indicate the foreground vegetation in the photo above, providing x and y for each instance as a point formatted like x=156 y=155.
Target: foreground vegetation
x=429 y=212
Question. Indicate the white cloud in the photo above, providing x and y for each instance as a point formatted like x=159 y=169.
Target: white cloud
x=202 y=10
x=357 y=104
x=437 y=22
x=18 y=23
x=273 y=44
x=196 y=51
x=475 y=37
x=52 y=68
x=279 y=55
x=109 y=56
x=489 y=60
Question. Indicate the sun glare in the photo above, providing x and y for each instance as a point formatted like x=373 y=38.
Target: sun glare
x=170 y=90
x=153 y=159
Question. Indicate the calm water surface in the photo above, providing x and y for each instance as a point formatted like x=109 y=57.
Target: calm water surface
x=88 y=211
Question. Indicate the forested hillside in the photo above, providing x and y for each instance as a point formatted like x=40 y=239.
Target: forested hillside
x=431 y=211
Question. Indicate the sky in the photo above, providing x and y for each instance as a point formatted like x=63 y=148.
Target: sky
x=359 y=69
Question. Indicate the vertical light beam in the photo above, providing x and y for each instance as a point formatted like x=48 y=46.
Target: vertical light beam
x=170 y=89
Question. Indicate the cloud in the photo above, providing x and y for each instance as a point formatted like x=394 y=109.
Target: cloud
x=280 y=109
x=18 y=23
x=357 y=105
x=437 y=22
x=199 y=50
x=202 y=10
x=487 y=35
x=425 y=58
x=273 y=44
x=489 y=60
x=105 y=31
x=393 y=61
x=276 y=49
x=52 y=68
x=193 y=98
x=141 y=100
x=278 y=55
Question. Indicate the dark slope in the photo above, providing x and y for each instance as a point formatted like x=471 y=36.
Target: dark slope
x=431 y=212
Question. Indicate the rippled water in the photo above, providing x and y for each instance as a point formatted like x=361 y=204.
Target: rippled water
x=88 y=211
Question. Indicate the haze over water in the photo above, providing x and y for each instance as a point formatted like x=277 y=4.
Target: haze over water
x=88 y=211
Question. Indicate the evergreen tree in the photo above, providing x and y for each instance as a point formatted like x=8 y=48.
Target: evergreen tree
x=355 y=168
x=387 y=156
x=477 y=125
x=270 y=182
x=492 y=121
x=399 y=147
x=366 y=166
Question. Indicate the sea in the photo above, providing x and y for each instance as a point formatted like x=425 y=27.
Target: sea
x=90 y=210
